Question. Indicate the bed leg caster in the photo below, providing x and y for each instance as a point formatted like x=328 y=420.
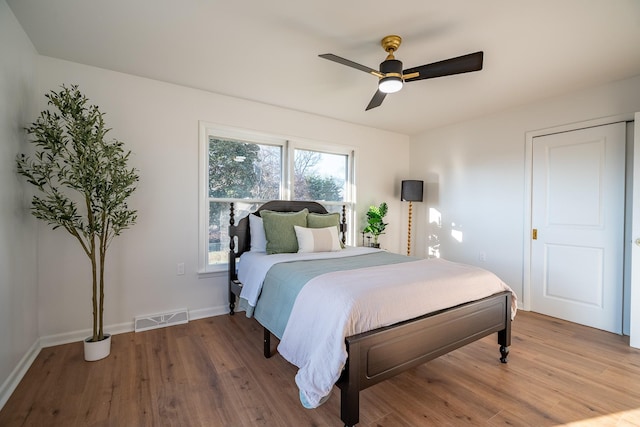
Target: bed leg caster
x=504 y=353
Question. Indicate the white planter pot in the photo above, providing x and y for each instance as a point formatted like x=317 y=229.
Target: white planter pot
x=97 y=350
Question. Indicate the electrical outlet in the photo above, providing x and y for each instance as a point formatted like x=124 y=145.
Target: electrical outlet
x=180 y=269
x=482 y=256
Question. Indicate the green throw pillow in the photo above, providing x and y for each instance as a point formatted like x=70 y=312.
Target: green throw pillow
x=278 y=227
x=317 y=220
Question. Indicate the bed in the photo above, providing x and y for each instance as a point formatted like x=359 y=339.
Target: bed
x=373 y=352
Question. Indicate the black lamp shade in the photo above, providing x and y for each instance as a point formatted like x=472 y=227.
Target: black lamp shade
x=411 y=191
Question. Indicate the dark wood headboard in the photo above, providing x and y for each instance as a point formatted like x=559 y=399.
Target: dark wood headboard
x=240 y=235
x=243 y=232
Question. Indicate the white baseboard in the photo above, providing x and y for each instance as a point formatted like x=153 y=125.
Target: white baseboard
x=208 y=312
x=81 y=335
x=18 y=373
x=75 y=336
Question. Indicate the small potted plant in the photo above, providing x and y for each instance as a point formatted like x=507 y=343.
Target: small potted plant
x=83 y=183
x=375 y=223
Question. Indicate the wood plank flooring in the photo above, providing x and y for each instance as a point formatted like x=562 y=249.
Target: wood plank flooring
x=211 y=372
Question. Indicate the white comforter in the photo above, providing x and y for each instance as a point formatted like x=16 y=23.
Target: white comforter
x=335 y=305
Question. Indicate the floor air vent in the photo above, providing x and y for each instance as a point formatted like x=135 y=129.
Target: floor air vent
x=154 y=321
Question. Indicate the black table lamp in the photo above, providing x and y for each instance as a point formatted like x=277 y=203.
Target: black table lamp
x=411 y=192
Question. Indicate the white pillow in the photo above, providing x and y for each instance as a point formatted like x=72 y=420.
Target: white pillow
x=317 y=239
x=258 y=236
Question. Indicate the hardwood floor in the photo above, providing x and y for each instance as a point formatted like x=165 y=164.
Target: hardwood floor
x=211 y=372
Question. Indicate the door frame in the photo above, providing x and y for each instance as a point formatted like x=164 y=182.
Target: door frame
x=634 y=256
x=528 y=181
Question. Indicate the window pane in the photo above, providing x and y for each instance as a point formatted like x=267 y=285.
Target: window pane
x=219 y=227
x=244 y=170
x=319 y=176
x=218 y=232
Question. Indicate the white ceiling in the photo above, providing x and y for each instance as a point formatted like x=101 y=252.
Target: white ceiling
x=267 y=51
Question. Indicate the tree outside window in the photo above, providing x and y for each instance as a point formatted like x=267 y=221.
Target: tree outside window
x=319 y=176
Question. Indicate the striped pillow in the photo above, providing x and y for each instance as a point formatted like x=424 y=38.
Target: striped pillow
x=317 y=239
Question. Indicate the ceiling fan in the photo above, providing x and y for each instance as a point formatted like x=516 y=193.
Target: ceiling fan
x=392 y=77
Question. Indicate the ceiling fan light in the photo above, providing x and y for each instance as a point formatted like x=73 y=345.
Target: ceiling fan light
x=390 y=84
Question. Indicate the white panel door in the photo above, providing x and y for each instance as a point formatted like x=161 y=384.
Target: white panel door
x=578 y=216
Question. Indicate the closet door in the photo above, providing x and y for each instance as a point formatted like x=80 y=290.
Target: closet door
x=578 y=225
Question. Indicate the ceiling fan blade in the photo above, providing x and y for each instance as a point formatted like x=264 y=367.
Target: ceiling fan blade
x=458 y=65
x=376 y=100
x=348 y=63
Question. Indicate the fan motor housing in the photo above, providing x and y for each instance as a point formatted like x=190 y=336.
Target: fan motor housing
x=391 y=67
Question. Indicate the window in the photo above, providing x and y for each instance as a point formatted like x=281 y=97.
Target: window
x=250 y=169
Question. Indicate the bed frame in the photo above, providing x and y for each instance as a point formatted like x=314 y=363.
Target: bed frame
x=382 y=353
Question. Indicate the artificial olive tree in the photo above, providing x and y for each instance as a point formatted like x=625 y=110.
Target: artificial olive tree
x=82 y=181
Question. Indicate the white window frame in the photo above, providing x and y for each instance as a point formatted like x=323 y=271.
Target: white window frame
x=288 y=147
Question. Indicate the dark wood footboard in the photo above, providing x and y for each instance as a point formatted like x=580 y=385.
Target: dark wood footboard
x=383 y=353
x=380 y=354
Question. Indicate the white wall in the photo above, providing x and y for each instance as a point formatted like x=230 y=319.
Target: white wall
x=18 y=282
x=474 y=175
x=159 y=123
